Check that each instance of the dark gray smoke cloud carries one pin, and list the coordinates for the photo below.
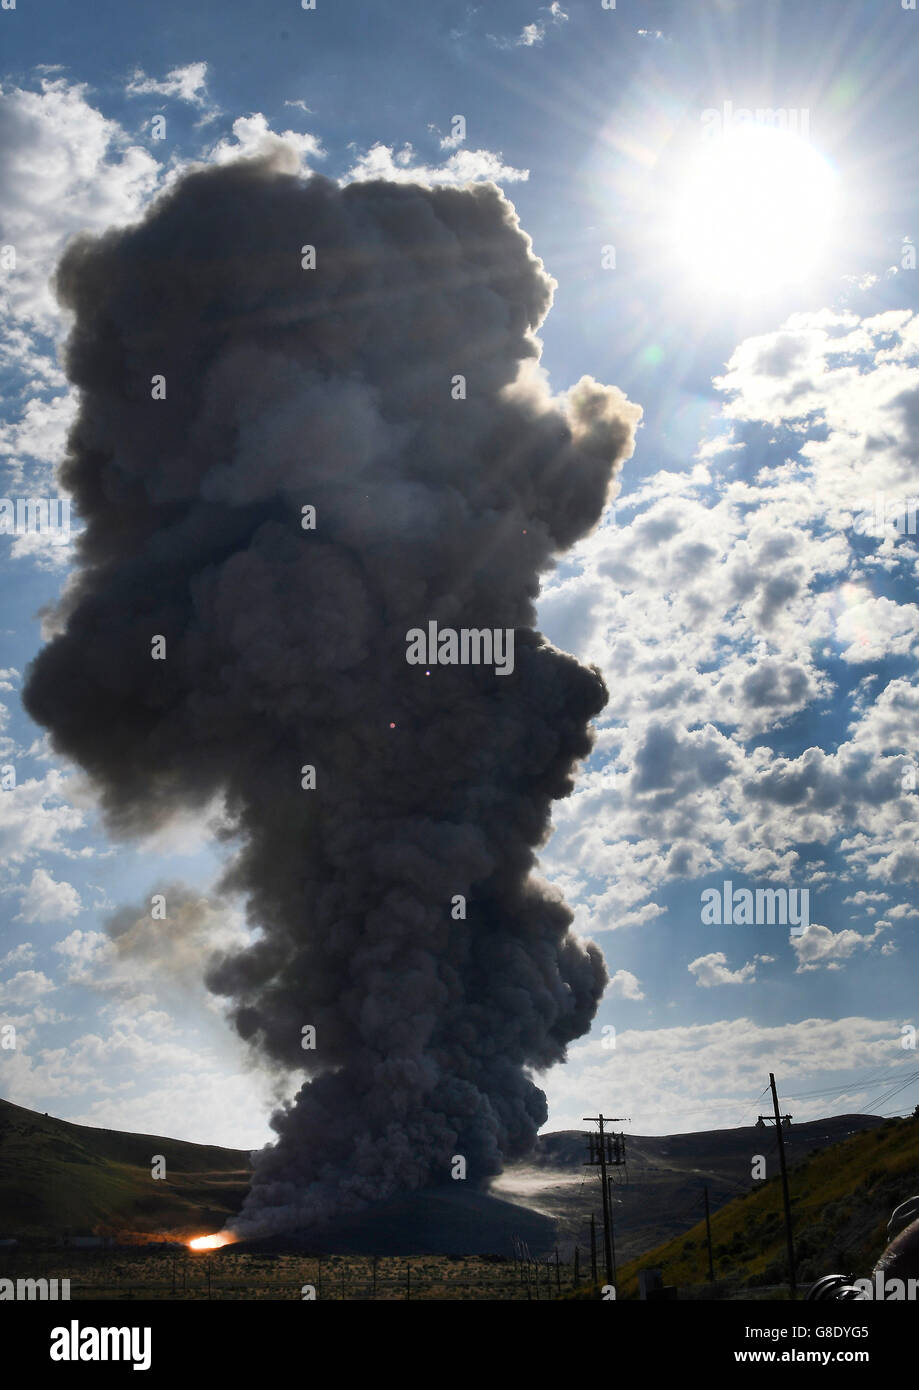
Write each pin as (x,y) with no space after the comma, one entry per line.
(332,387)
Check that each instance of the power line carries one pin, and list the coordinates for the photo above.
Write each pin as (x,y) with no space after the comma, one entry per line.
(884,1098)
(854,1084)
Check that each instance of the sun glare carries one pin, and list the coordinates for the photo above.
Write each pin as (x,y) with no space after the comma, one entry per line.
(754,211)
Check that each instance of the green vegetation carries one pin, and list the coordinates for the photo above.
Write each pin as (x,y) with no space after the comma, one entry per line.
(841,1200)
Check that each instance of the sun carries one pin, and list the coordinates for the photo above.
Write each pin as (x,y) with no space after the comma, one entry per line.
(754,212)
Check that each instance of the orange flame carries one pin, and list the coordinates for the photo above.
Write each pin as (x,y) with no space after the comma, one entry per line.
(211,1242)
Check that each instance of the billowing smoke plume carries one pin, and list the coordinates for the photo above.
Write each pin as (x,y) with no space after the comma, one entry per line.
(336,387)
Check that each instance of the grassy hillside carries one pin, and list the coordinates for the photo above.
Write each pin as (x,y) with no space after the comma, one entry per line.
(841,1200)
(660,1194)
(55,1175)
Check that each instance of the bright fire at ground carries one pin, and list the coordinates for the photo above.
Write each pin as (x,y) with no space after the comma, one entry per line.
(210,1242)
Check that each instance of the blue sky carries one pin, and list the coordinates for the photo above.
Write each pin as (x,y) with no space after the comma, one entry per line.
(761,653)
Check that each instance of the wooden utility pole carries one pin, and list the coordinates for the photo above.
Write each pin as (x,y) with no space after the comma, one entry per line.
(593,1249)
(605,1150)
(612,1225)
(577,1265)
(708,1236)
(558,1276)
(785,1197)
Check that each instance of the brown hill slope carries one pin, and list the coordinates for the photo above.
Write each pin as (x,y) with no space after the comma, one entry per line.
(659,1194)
(54,1175)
